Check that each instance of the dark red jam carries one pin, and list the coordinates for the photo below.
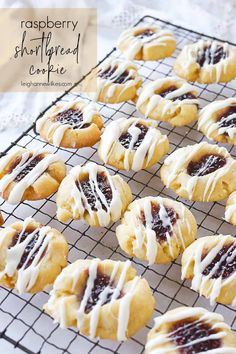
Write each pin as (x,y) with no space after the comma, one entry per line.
(210,56)
(104,187)
(30,245)
(116,79)
(173,88)
(74,117)
(207,164)
(125,138)
(185,332)
(29,166)
(101,282)
(226,121)
(224,262)
(160,226)
(145,33)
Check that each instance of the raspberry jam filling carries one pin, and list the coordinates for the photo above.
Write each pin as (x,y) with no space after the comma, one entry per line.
(224,263)
(185,333)
(207,164)
(228,119)
(30,245)
(145,33)
(90,194)
(74,117)
(101,282)
(29,167)
(118,79)
(161,224)
(173,88)
(210,55)
(125,139)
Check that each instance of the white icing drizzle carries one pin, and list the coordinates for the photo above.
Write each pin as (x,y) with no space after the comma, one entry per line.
(199,280)
(145,234)
(81,204)
(180,158)
(145,150)
(153,99)
(215,321)
(135,43)
(20,187)
(191,51)
(57,129)
(120,67)
(209,126)
(26,276)
(124,305)
(230,208)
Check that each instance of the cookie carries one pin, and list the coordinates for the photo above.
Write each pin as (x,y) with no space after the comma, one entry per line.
(103,299)
(113,81)
(90,193)
(146,43)
(170,100)
(189,330)
(206,62)
(210,263)
(74,124)
(217,121)
(30,175)
(132,144)
(230,210)
(201,172)
(156,229)
(31,255)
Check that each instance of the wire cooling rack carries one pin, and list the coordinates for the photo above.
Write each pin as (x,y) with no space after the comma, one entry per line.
(22,321)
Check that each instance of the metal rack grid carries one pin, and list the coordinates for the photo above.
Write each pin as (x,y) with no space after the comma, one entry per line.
(22,321)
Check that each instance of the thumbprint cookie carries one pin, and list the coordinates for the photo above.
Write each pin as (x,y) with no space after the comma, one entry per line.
(190,330)
(201,172)
(146,43)
(103,299)
(30,175)
(90,193)
(31,256)
(206,62)
(132,144)
(156,229)
(170,100)
(230,210)
(210,263)
(217,121)
(74,124)
(113,81)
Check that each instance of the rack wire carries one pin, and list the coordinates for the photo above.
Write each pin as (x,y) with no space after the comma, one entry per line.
(22,321)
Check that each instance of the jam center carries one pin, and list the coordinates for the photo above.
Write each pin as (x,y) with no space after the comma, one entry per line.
(228,119)
(185,332)
(116,79)
(207,164)
(29,166)
(73,117)
(126,138)
(101,282)
(173,88)
(224,261)
(91,197)
(211,55)
(146,33)
(162,223)
(29,246)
